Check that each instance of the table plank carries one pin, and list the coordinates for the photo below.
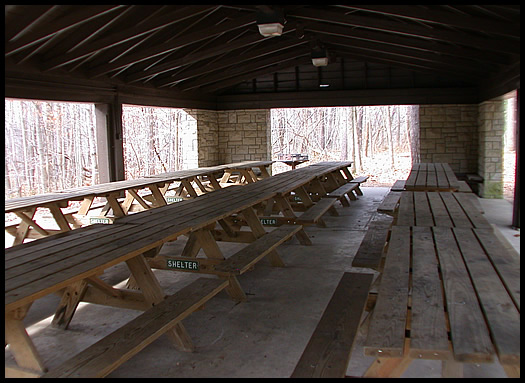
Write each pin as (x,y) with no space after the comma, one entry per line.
(470,337)
(386,334)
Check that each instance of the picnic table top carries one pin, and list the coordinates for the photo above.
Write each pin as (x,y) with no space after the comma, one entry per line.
(112,187)
(38,268)
(450,209)
(432,177)
(455,279)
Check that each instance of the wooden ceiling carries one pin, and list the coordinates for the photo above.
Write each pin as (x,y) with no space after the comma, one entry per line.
(215,52)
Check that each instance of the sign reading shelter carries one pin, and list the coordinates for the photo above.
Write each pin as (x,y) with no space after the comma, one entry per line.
(182,264)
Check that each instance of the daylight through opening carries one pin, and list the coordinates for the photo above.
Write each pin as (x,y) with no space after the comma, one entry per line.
(380,140)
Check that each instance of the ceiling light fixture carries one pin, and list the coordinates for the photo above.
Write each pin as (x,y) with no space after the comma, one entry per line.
(270,21)
(319,57)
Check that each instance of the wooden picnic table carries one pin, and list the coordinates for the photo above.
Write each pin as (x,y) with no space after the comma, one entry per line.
(449,294)
(432,177)
(135,191)
(246,171)
(419,208)
(448,287)
(75,259)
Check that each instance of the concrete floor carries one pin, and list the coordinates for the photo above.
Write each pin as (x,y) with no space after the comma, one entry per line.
(264,336)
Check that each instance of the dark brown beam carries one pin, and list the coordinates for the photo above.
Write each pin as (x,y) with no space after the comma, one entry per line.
(269,48)
(363,97)
(468,40)
(125,35)
(221,85)
(239,70)
(189,38)
(76,17)
(406,41)
(188,59)
(436,16)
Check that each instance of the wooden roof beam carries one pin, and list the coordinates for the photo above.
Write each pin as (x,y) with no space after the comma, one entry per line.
(125,35)
(184,40)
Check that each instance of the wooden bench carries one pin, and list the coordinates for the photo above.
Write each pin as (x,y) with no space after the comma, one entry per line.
(359,180)
(399,185)
(342,191)
(328,352)
(103,357)
(372,246)
(389,203)
(314,213)
(245,258)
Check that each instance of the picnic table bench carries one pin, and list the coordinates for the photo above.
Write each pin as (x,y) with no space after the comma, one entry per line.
(71,263)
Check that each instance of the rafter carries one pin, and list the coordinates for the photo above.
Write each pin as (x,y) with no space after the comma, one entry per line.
(172,45)
(126,35)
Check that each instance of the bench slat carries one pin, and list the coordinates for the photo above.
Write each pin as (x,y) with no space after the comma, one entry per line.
(107,354)
(386,334)
(371,249)
(314,213)
(328,352)
(360,179)
(241,261)
(342,190)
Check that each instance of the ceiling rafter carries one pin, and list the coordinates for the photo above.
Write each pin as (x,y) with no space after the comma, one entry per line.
(404,29)
(266,48)
(126,35)
(49,29)
(239,69)
(189,38)
(436,16)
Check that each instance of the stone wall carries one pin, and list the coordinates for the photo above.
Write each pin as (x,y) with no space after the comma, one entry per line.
(491,122)
(207,136)
(449,133)
(244,135)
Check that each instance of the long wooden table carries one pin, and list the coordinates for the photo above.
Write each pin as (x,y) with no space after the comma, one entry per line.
(74,261)
(71,262)
(450,209)
(145,193)
(449,288)
(450,294)
(432,177)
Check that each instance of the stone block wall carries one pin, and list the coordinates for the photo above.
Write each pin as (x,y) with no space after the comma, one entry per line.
(449,133)
(244,135)
(207,136)
(491,122)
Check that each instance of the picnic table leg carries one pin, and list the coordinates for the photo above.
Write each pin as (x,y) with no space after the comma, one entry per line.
(27,222)
(150,287)
(189,189)
(258,231)
(264,171)
(226,176)
(213,181)
(71,297)
(20,344)
(59,217)
(317,188)
(115,205)
(287,211)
